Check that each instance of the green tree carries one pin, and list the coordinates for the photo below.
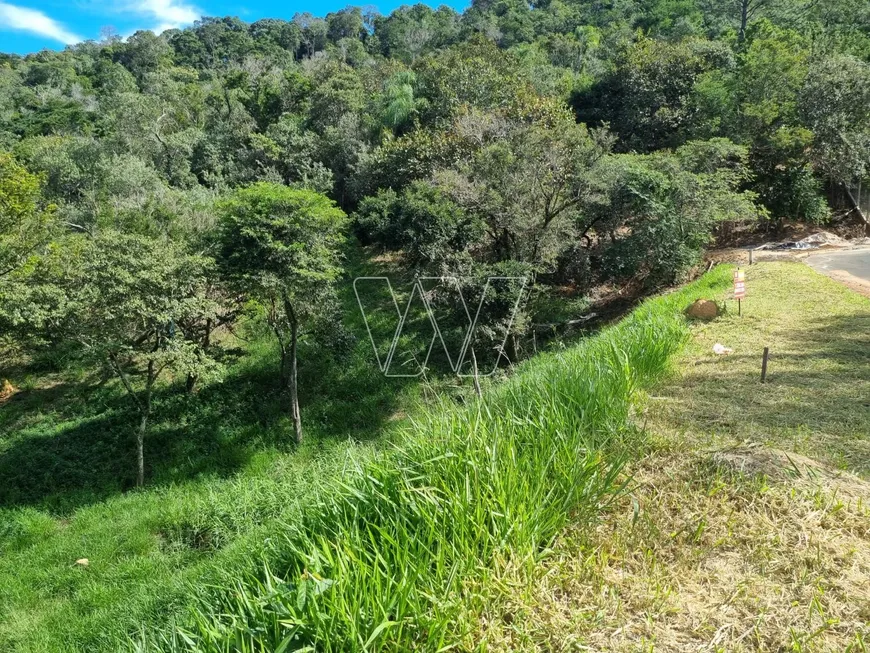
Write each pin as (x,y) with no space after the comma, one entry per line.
(120,299)
(410,31)
(292,152)
(399,103)
(835,105)
(276,33)
(747,11)
(280,246)
(435,233)
(345,24)
(339,93)
(651,96)
(526,184)
(24,216)
(143,53)
(313,32)
(771,71)
(662,208)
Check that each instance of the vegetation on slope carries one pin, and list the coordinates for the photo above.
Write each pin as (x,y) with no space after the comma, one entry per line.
(223,475)
(161,195)
(405,551)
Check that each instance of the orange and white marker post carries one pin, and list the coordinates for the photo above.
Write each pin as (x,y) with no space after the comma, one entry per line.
(739,289)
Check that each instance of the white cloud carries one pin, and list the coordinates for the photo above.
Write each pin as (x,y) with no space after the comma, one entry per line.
(167,13)
(162,27)
(35,22)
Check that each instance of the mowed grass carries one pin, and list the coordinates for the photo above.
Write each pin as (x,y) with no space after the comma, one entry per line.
(727,539)
(817,397)
(406,553)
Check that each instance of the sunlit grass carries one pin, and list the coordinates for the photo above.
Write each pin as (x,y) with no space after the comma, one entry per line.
(222,478)
(399,552)
(725,539)
(396,558)
(817,397)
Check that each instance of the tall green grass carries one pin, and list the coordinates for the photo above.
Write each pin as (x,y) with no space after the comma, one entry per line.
(222,476)
(393,559)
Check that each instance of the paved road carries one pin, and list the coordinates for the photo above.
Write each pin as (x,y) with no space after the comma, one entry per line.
(856,262)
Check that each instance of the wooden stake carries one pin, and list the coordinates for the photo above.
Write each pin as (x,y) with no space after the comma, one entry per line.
(739,307)
(750,257)
(764,365)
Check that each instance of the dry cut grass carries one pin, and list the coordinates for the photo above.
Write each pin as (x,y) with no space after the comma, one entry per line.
(817,398)
(699,557)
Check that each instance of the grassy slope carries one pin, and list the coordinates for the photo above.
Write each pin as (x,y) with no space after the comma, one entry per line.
(404,555)
(221,479)
(703,553)
(488,580)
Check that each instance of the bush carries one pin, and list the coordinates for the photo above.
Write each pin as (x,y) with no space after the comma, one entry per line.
(432,230)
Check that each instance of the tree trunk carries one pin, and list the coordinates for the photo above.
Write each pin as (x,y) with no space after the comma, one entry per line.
(193,379)
(513,352)
(145,410)
(140,450)
(294,388)
(476,379)
(144,406)
(292,384)
(744,19)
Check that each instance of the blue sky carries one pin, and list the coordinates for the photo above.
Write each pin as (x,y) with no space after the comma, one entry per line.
(31,25)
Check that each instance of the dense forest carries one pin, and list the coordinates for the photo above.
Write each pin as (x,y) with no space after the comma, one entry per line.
(157,188)
(180,212)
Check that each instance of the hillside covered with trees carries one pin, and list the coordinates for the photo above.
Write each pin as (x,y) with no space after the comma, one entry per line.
(580,143)
(164,198)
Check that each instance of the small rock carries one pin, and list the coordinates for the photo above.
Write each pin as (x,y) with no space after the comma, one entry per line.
(721,350)
(703,309)
(82,562)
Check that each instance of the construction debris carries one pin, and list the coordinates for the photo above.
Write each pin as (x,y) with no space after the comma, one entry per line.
(814,241)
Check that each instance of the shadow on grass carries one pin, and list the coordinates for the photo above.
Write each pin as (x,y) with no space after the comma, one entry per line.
(67,446)
(816,400)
